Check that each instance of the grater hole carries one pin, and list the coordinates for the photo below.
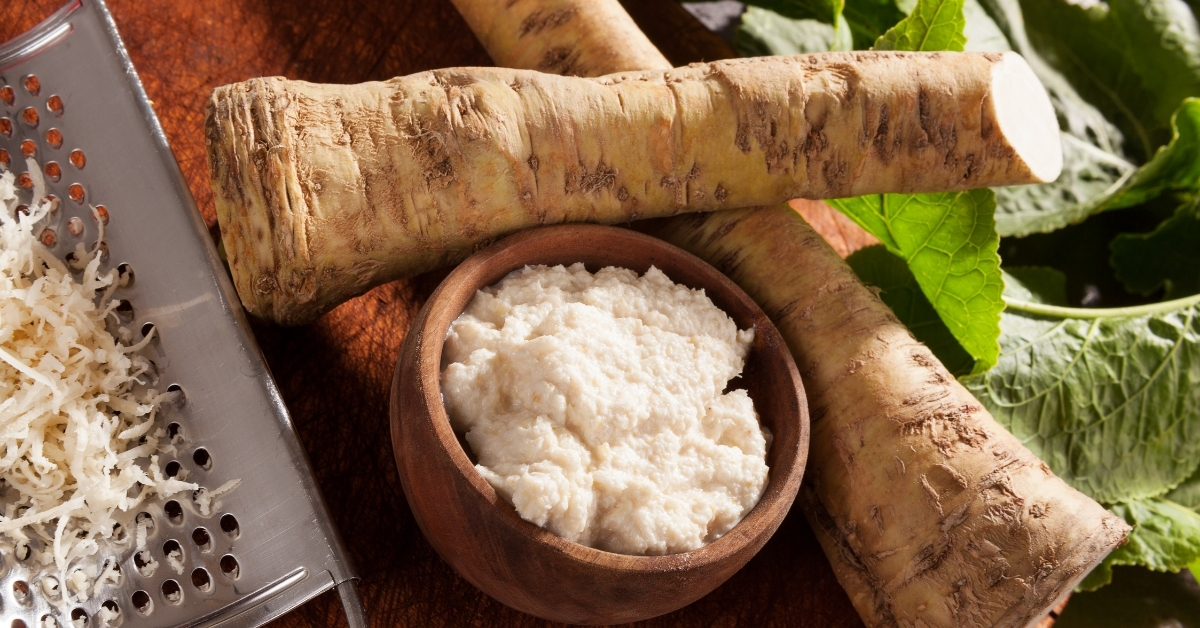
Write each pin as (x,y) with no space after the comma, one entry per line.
(202,539)
(229,525)
(48,237)
(21,592)
(4,158)
(79,618)
(119,534)
(28,148)
(230,567)
(75,226)
(202,459)
(75,192)
(8,95)
(54,138)
(101,251)
(175,431)
(100,213)
(109,613)
(171,592)
(48,621)
(17,623)
(110,572)
(50,587)
(21,551)
(201,580)
(124,310)
(142,602)
(25,181)
(54,171)
(125,280)
(143,525)
(180,396)
(174,553)
(173,468)
(174,512)
(6,127)
(32,84)
(55,104)
(145,563)
(147,328)
(78,159)
(30,116)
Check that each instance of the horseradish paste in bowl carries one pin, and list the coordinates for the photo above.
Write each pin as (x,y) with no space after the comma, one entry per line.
(597,405)
(572,433)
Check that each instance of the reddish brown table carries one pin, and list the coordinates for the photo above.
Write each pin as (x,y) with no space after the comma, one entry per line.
(335,374)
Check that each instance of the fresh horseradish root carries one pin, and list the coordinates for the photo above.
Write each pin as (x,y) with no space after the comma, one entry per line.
(567,37)
(323,191)
(595,404)
(78,437)
(930,512)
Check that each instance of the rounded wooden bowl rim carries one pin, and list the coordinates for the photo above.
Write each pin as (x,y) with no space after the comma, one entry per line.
(772,506)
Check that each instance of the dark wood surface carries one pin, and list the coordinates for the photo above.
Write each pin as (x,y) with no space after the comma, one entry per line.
(528,567)
(335,375)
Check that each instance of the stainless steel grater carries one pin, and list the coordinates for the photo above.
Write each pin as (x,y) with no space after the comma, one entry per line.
(69,96)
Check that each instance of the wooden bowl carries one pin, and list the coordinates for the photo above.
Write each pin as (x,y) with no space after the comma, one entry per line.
(523,565)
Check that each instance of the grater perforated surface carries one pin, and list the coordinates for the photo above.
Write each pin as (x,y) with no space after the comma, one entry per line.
(69,97)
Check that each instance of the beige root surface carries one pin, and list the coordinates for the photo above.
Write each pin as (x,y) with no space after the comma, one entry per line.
(567,37)
(323,191)
(931,513)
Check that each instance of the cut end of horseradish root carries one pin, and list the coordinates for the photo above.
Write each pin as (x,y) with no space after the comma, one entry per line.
(1026,117)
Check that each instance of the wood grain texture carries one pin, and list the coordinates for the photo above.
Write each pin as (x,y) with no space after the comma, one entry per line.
(527,567)
(335,374)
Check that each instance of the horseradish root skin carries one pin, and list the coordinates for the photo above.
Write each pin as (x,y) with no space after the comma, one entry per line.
(323,191)
(1000,550)
(566,37)
(930,512)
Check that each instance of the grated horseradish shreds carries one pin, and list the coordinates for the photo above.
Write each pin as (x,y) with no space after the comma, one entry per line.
(72,427)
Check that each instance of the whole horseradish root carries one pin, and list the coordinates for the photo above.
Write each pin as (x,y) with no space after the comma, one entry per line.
(324,191)
(930,512)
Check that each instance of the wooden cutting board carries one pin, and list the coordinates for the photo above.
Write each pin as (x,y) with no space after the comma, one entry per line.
(335,375)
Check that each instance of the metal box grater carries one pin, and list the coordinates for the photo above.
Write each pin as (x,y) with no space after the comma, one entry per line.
(69,94)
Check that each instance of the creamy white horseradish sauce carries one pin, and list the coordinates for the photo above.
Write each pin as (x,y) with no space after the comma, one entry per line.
(595,405)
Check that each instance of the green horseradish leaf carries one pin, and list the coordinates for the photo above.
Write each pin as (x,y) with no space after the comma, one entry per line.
(1168,257)
(856,24)
(1036,284)
(1090,177)
(1174,167)
(869,19)
(949,242)
(1188,492)
(1094,165)
(877,267)
(1136,60)
(1165,537)
(826,11)
(764,32)
(932,25)
(1094,180)
(1109,398)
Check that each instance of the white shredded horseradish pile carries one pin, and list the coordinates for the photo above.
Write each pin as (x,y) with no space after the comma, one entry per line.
(72,428)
